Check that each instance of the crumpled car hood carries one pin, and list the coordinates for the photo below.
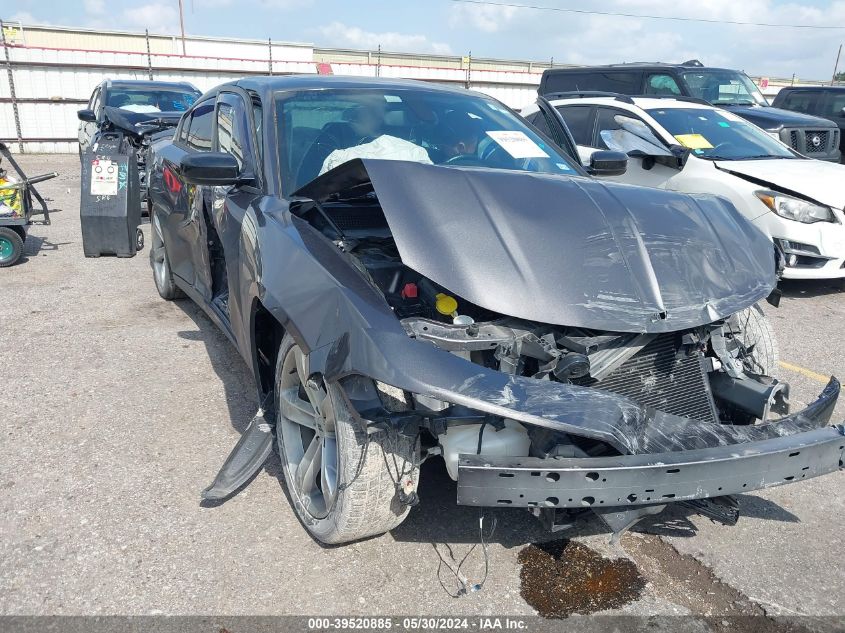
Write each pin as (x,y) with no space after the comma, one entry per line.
(814,179)
(139,123)
(567,250)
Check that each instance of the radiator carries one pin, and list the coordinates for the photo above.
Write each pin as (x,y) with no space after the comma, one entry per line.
(656,377)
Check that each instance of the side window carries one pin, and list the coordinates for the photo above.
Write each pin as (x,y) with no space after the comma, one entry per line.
(200,127)
(801,100)
(579,120)
(661,85)
(605,122)
(258,117)
(538,120)
(96,98)
(626,83)
(834,105)
(229,134)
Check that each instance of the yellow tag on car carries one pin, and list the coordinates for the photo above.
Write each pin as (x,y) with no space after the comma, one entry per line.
(693,141)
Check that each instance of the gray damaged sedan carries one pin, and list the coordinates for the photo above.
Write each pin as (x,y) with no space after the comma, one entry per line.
(411,271)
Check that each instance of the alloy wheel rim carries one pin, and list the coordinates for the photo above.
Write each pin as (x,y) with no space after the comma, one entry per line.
(158,254)
(309,444)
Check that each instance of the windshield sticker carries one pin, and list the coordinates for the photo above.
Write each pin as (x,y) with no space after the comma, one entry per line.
(693,141)
(517,144)
(724,124)
(564,167)
(393,99)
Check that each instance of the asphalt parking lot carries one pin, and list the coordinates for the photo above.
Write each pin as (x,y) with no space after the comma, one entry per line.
(118,408)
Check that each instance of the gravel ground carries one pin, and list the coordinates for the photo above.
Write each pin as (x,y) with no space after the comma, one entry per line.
(118,408)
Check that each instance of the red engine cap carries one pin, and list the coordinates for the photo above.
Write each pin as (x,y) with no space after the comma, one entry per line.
(409,291)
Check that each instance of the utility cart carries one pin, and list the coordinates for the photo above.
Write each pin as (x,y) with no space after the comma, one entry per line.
(16,208)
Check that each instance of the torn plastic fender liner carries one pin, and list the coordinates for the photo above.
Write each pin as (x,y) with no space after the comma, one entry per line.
(642,480)
(422,368)
(246,458)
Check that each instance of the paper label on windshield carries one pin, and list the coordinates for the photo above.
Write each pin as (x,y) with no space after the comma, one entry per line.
(517,144)
(103,177)
(693,141)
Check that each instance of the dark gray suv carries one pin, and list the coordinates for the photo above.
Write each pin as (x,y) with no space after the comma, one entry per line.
(731,89)
(822,101)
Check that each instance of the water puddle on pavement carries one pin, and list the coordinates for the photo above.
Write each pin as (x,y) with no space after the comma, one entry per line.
(562,577)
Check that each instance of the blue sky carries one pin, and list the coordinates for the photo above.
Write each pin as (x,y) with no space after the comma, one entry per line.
(443,26)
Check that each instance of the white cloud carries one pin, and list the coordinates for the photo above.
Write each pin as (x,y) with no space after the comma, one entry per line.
(25,17)
(94,7)
(338,34)
(593,39)
(484,17)
(158,17)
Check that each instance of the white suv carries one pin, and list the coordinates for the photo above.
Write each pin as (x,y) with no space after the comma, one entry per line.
(687,145)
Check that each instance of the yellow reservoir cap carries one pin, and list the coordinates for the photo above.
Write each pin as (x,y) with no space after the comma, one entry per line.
(445,304)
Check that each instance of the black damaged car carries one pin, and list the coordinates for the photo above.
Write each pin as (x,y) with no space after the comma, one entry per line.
(411,270)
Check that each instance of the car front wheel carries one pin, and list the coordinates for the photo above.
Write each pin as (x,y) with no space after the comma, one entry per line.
(343,482)
(162,274)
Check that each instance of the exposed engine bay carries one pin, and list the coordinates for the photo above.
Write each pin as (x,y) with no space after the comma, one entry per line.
(711,373)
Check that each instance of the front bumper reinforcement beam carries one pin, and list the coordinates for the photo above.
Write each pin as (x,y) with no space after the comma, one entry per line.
(649,479)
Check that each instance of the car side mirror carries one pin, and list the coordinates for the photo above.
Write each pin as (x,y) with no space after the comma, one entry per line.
(86,115)
(216,169)
(607,163)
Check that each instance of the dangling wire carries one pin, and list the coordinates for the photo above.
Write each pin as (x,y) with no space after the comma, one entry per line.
(463,583)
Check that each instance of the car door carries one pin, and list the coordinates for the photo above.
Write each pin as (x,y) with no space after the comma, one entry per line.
(187,243)
(235,134)
(88,128)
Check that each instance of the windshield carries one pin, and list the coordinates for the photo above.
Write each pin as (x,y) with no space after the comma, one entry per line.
(723,87)
(718,135)
(147,100)
(321,129)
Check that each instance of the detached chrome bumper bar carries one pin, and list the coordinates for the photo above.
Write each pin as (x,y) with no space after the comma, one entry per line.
(638,480)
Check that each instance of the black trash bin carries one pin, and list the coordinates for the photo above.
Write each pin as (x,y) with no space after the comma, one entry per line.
(110,207)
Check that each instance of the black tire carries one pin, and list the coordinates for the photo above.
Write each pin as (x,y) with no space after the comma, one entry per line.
(11,247)
(366,502)
(162,275)
(754,331)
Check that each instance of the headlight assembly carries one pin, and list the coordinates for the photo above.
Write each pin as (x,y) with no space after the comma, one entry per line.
(795,208)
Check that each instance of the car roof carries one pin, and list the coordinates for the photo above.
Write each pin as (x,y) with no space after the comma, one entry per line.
(637,66)
(151,85)
(644,103)
(824,88)
(273,83)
